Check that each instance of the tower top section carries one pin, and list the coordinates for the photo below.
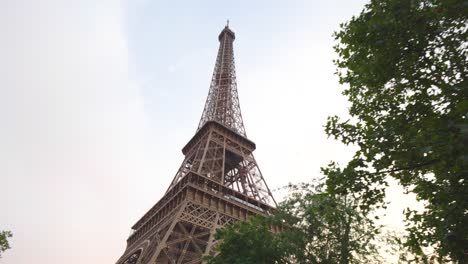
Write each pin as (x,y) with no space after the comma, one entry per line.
(222,103)
(227,32)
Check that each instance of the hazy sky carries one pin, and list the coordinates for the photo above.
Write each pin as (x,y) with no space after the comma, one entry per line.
(97,98)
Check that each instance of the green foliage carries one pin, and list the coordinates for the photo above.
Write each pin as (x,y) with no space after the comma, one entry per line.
(406,64)
(4,245)
(247,243)
(325,228)
(316,227)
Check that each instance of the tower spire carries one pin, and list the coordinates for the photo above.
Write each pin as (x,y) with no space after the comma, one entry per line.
(222,103)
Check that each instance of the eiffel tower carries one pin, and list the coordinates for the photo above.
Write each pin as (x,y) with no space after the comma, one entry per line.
(218,183)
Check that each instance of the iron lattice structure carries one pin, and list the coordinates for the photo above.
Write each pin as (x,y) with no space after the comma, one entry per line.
(222,102)
(218,183)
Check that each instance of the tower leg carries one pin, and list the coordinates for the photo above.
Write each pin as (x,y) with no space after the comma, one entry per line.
(157,245)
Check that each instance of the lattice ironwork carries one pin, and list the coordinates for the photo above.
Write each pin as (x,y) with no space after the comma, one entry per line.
(218,183)
(222,104)
(133,258)
(221,155)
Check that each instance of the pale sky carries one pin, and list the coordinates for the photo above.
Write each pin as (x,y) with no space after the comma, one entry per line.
(97,98)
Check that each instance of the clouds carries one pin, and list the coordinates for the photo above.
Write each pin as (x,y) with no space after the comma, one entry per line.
(81,155)
(73,130)
(98,97)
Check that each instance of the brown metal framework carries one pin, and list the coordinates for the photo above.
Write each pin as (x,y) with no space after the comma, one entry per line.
(218,183)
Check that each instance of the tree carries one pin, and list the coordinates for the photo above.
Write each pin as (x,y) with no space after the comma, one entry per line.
(4,245)
(247,243)
(406,64)
(326,228)
(316,227)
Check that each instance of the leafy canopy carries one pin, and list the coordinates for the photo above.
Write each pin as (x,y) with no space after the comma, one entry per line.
(315,227)
(247,243)
(4,245)
(406,67)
